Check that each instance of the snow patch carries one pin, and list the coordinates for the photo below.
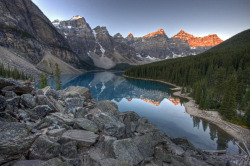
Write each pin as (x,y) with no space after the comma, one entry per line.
(65,35)
(138,55)
(69,27)
(101,49)
(94,33)
(193,48)
(151,58)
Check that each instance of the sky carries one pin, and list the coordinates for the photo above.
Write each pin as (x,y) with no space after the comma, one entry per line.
(140,17)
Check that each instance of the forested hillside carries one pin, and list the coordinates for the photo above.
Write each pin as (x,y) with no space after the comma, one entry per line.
(217,79)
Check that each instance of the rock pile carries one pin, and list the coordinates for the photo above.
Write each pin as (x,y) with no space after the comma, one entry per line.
(68,127)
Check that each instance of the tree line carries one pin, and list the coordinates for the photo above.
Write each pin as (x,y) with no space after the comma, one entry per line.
(217,79)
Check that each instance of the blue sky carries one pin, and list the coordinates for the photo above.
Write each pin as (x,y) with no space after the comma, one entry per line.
(140,17)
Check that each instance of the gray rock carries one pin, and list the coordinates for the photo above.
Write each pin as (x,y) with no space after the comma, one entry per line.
(5,117)
(44,148)
(48,91)
(176,150)
(56,132)
(29,163)
(147,142)
(14,101)
(86,124)
(27,101)
(130,119)
(64,118)
(110,125)
(69,149)
(125,149)
(82,91)
(106,144)
(10,94)
(23,115)
(14,137)
(81,112)
(3,103)
(145,127)
(42,110)
(8,82)
(115,162)
(18,89)
(72,104)
(83,138)
(72,94)
(56,162)
(50,101)
(162,154)
(108,107)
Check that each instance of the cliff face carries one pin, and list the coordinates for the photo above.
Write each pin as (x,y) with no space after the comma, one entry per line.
(95,45)
(206,41)
(27,31)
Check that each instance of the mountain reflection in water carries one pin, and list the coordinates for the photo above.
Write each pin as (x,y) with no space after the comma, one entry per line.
(154,101)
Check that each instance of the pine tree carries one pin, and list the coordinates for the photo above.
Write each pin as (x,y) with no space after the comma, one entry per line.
(58,77)
(43,81)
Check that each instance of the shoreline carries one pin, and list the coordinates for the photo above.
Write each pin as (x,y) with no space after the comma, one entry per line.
(236,131)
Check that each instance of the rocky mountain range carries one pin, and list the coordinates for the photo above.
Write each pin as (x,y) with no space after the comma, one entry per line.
(28,36)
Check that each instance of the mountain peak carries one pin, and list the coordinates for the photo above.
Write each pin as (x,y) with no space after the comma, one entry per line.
(159,32)
(207,41)
(76,17)
(130,35)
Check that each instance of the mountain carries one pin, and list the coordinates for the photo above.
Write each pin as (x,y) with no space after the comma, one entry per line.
(95,45)
(28,34)
(218,78)
(206,41)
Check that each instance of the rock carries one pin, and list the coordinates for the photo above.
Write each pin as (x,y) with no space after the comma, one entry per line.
(48,91)
(5,117)
(176,150)
(81,112)
(14,101)
(23,115)
(147,142)
(8,82)
(64,118)
(130,119)
(27,101)
(145,127)
(42,110)
(72,94)
(162,154)
(110,125)
(86,124)
(10,94)
(44,148)
(56,132)
(72,103)
(82,137)
(69,149)
(3,103)
(29,163)
(15,140)
(56,162)
(50,101)
(82,91)
(20,90)
(105,144)
(108,107)
(125,149)
(115,162)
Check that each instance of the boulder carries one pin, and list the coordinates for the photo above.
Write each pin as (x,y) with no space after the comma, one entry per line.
(162,154)
(10,94)
(5,117)
(82,91)
(44,148)
(27,101)
(29,163)
(72,94)
(147,142)
(110,125)
(48,91)
(18,89)
(56,162)
(86,124)
(108,107)
(56,132)
(115,162)
(81,112)
(50,101)
(82,137)
(69,149)
(63,118)
(3,103)
(125,149)
(72,104)
(42,110)
(23,114)
(8,82)
(145,127)
(15,141)
(130,119)
(13,101)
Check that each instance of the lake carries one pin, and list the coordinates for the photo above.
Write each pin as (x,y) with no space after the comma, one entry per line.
(154,101)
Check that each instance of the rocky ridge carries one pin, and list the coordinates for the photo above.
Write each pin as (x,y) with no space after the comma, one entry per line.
(68,127)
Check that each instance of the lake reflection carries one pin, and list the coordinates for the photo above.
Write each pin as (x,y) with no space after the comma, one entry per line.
(154,101)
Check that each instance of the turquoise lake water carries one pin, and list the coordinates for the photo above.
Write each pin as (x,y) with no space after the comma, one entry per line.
(154,101)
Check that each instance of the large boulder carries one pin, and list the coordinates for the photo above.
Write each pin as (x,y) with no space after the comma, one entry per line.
(115,162)
(145,127)
(27,101)
(125,149)
(148,141)
(69,149)
(3,103)
(56,162)
(50,101)
(10,94)
(86,124)
(29,163)
(108,107)
(15,141)
(8,82)
(18,89)
(44,148)
(73,103)
(110,125)
(83,138)
(130,119)
(82,91)
(48,91)
(42,110)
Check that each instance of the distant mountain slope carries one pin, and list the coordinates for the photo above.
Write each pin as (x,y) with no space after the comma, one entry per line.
(219,78)
(27,31)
